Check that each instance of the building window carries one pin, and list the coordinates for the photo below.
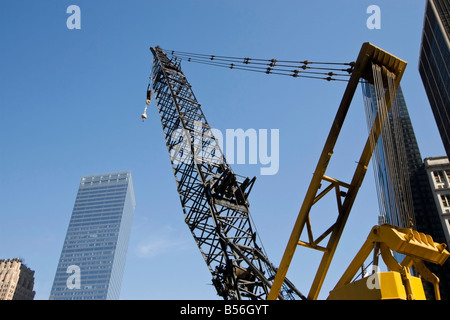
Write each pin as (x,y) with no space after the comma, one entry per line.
(445,198)
(439,179)
(438,176)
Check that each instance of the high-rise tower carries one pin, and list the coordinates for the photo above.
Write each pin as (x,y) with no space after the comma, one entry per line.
(404,193)
(434,65)
(434,70)
(94,252)
(396,156)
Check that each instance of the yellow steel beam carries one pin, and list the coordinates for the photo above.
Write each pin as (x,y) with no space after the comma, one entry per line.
(417,248)
(368,53)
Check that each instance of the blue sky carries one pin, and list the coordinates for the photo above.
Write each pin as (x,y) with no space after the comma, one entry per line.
(70,105)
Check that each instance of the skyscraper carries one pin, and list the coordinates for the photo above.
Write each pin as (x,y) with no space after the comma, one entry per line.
(404,193)
(16,280)
(434,65)
(395,157)
(434,70)
(94,251)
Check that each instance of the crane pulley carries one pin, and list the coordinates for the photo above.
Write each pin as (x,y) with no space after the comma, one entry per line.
(147,102)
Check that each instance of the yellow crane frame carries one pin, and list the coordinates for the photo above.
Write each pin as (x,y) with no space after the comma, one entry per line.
(362,69)
(398,283)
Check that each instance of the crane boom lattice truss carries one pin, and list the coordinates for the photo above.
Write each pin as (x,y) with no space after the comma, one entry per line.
(214,200)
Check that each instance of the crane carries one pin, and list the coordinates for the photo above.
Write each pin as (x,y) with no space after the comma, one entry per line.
(215,199)
(383,70)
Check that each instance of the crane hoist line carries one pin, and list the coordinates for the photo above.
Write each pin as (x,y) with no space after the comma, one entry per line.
(330,71)
(214,199)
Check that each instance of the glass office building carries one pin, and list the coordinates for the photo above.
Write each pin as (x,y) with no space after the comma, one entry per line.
(423,214)
(396,156)
(434,65)
(94,252)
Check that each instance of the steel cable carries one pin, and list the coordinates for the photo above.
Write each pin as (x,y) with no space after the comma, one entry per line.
(296,69)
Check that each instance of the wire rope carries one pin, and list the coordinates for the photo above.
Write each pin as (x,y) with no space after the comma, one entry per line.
(296,69)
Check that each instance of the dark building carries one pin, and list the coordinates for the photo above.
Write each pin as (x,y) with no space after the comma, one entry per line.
(434,64)
(396,156)
(398,165)
(435,72)
(428,221)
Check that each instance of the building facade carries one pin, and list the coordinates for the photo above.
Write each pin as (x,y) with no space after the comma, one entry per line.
(434,65)
(392,189)
(16,280)
(438,170)
(93,257)
(434,70)
(395,157)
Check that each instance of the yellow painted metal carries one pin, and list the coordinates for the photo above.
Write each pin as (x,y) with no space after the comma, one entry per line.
(417,247)
(368,54)
(417,288)
(412,243)
(379,286)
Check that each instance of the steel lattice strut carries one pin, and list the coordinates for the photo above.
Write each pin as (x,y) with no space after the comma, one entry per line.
(213,199)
